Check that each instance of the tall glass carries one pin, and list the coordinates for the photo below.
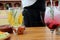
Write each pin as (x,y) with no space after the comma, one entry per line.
(52,18)
(15,19)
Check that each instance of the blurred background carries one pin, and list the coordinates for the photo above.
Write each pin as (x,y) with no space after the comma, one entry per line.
(6,4)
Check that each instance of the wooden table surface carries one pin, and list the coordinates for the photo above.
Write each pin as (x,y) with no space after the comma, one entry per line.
(36,33)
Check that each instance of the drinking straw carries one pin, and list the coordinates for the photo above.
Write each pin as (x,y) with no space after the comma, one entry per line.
(51,10)
(51,2)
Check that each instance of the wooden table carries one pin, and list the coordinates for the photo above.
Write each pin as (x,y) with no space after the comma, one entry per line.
(37,33)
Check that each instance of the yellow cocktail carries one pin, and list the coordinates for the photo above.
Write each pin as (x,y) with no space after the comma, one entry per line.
(15,19)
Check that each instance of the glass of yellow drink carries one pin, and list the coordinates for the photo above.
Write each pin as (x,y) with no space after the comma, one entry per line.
(15,19)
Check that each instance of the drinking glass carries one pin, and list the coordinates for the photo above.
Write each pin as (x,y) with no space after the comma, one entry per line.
(52,18)
(15,19)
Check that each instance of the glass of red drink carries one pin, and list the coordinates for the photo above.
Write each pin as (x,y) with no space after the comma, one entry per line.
(52,18)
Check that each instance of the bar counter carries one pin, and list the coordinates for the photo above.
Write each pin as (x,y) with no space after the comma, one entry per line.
(36,33)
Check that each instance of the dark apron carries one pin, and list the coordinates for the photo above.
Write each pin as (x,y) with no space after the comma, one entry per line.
(32,14)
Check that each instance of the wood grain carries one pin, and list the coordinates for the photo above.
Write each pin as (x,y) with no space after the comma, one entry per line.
(37,33)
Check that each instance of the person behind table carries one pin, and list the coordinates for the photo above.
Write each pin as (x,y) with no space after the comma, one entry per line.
(33,12)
